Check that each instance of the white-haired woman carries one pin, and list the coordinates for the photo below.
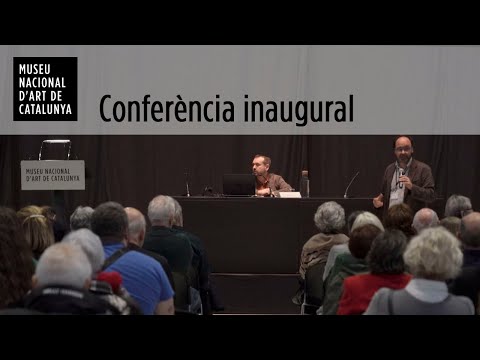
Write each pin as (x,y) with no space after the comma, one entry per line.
(432,257)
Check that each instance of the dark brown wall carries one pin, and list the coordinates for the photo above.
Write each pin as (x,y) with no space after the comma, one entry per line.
(133,169)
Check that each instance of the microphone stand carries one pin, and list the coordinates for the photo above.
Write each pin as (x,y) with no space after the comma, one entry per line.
(186,184)
(345,196)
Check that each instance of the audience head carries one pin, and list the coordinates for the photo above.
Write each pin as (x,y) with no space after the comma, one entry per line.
(38,233)
(63,264)
(452,224)
(367,218)
(178,217)
(81,218)
(351,219)
(16,263)
(470,230)
(91,246)
(434,254)
(458,206)
(386,253)
(10,220)
(161,211)
(425,218)
(49,213)
(137,226)
(26,211)
(330,217)
(361,240)
(400,216)
(110,220)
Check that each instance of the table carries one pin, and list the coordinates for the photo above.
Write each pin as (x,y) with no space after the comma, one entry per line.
(260,235)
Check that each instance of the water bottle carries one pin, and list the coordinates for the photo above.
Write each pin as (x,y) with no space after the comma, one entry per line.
(305,185)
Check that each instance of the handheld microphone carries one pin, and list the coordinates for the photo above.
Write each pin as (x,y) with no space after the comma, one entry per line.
(187,186)
(345,196)
(400,184)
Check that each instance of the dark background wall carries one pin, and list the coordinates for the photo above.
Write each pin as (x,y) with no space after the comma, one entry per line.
(133,169)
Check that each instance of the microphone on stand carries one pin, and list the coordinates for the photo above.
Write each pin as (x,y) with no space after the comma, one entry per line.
(345,196)
(186,183)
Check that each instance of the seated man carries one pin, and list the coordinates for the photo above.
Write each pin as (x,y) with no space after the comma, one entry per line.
(268,184)
(61,282)
(424,218)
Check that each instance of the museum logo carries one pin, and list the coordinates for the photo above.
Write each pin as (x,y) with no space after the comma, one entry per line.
(44,89)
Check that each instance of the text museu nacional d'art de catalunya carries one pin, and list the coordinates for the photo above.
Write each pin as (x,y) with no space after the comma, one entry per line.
(31,91)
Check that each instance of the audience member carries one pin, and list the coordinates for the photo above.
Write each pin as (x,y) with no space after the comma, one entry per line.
(387,269)
(432,257)
(164,240)
(400,217)
(81,218)
(143,277)
(329,220)
(16,265)
(362,218)
(452,224)
(60,283)
(116,296)
(425,218)
(208,292)
(458,206)
(349,264)
(37,229)
(137,228)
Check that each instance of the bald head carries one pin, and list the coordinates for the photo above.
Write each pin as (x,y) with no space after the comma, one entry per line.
(470,230)
(136,226)
(425,218)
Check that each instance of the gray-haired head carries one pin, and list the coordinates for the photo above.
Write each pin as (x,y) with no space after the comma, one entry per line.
(81,218)
(110,219)
(367,218)
(161,211)
(386,253)
(91,246)
(329,217)
(63,264)
(425,218)
(434,254)
(470,230)
(137,226)
(178,216)
(452,224)
(456,205)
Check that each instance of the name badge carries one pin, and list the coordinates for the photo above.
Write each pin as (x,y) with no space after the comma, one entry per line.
(394,195)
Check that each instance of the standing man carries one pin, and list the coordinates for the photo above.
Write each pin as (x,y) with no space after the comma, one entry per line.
(406,180)
(268,184)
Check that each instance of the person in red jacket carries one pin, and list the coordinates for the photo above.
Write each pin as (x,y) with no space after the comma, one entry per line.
(387,269)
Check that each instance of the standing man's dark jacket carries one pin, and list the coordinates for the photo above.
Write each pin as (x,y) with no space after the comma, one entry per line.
(423,189)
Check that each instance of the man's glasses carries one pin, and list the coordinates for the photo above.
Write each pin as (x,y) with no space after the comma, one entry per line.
(403,148)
